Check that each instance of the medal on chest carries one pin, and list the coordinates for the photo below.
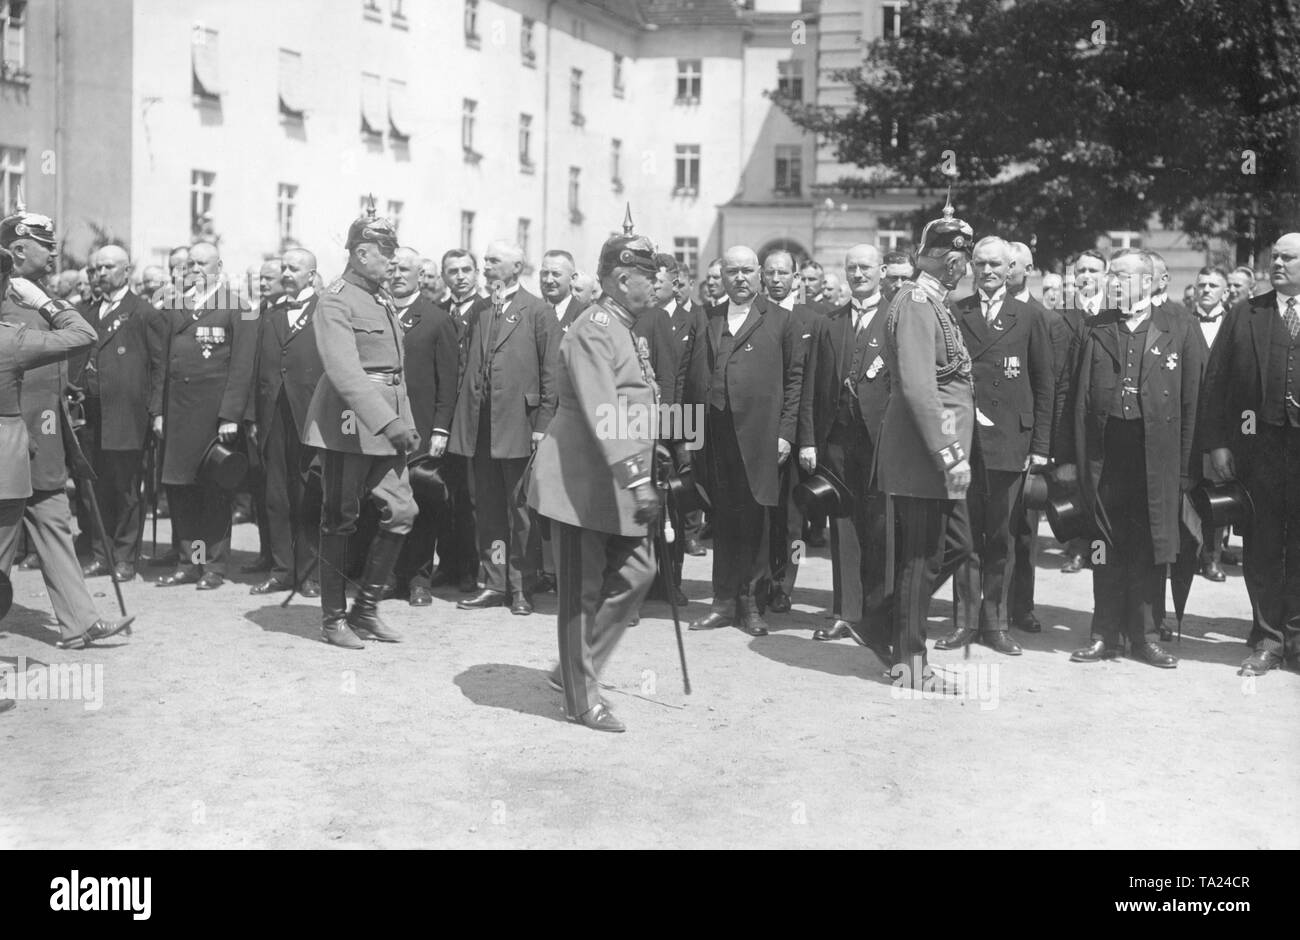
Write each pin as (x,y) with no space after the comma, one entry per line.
(1011,367)
(209,338)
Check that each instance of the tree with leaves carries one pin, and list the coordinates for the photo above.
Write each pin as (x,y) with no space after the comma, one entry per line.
(1058,120)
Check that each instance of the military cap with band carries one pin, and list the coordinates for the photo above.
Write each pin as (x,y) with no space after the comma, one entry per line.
(627,251)
(946,234)
(369,228)
(22,224)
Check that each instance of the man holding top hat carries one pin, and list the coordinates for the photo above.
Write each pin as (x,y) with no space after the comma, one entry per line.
(923,460)
(360,419)
(211,345)
(594,482)
(36,335)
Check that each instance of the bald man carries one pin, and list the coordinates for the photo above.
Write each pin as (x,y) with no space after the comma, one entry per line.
(586,289)
(286,370)
(120,375)
(1250,427)
(507,399)
(743,368)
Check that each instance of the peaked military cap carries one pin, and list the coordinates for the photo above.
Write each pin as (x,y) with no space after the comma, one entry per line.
(39,228)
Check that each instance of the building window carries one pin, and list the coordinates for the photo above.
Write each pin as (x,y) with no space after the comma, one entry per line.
(399,118)
(370,10)
(575,176)
(1120,240)
(372,107)
(619,85)
(616,164)
(472,38)
(467,230)
(397,11)
(207,75)
(688,81)
(686,251)
(688,170)
(286,210)
(789,79)
(13,168)
(395,207)
(14,40)
(467,109)
(292,105)
(526,49)
(202,184)
(789,170)
(575,97)
(526,143)
(521,235)
(891,11)
(893,239)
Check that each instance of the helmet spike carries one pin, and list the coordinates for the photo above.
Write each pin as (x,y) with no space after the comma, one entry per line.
(20,204)
(947,207)
(627,220)
(370,207)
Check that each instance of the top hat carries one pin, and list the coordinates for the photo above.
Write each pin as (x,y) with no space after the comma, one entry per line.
(1221,504)
(6,594)
(823,492)
(686,493)
(1036,494)
(221,466)
(1067,516)
(427,482)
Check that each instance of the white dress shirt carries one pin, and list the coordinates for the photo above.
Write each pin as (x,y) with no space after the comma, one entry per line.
(788,303)
(990,307)
(109,304)
(562,307)
(1210,327)
(736,316)
(864,311)
(1138,314)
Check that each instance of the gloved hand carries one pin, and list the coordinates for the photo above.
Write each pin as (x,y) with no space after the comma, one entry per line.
(682,456)
(405,439)
(27,293)
(647,504)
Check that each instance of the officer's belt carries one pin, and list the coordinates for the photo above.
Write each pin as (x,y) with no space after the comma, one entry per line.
(385,378)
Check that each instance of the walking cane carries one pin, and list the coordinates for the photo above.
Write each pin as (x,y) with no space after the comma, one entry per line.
(661,549)
(84,473)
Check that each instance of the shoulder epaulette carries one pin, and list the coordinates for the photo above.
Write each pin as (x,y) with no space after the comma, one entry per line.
(600,317)
(336,286)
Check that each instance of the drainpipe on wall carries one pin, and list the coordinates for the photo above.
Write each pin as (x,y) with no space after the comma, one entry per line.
(546,134)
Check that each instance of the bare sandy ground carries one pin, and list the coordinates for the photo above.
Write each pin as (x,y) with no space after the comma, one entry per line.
(226,723)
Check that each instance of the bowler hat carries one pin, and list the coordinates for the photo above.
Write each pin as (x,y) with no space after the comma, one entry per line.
(1036,496)
(6,594)
(1221,504)
(823,492)
(427,483)
(222,466)
(1067,516)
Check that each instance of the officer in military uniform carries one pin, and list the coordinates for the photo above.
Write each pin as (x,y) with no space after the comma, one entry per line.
(36,335)
(925,437)
(595,485)
(360,419)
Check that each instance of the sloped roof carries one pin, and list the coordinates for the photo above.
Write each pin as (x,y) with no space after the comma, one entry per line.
(691,12)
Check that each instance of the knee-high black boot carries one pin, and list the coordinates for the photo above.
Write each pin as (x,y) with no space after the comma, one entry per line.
(333,593)
(364,616)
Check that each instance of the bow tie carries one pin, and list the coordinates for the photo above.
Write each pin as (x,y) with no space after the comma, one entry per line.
(1204,319)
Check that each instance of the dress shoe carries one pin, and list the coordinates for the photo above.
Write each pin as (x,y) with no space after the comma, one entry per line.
(1229,557)
(31,562)
(124,572)
(1002,642)
(270,586)
(1165,634)
(957,639)
(839,630)
(210,581)
(258,565)
(1074,564)
(103,629)
(468,584)
(483,601)
(1028,623)
(752,622)
(1259,662)
(1211,571)
(693,547)
(338,633)
(95,569)
(420,596)
(872,640)
(554,680)
(310,588)
(600,718)
(1094,652)
(1153,654)
(545,584)
(779,601)
(710,621)
(180,576)
(523,606)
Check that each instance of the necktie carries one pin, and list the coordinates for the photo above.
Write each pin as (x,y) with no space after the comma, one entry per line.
(989,310)
(1292,319)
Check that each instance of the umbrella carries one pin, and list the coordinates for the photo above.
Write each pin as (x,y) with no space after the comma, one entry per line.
(1183,571)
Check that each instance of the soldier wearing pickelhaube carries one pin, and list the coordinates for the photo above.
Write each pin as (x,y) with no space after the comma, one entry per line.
(592,478)
(925,438)
(360,419)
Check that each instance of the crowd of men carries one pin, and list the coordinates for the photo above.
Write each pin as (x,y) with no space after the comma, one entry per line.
(420,424)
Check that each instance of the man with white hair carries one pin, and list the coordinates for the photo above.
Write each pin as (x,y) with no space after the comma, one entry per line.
(507,399)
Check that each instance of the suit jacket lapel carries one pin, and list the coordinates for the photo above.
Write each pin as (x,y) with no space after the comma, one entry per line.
(1107,338)
(1262,318)
(973,320)
(509,314)
(844,338)
(714,325)
(751,324)
(1003,324)
(1158,328)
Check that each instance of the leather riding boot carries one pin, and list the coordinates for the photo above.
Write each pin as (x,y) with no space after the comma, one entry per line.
(364,616)
(333,593)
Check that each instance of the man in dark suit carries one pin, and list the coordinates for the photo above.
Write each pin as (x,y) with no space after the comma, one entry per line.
(457,545)
(845,391)
(1135,413)
(211,343)
(1211,296)
(1251,431)
(506,400)
(120,374)
(1011,364)
(744,366)
(923,459)
(432,362)
(287,369)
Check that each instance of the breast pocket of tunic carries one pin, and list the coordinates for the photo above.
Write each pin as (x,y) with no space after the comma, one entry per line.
(368,325)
